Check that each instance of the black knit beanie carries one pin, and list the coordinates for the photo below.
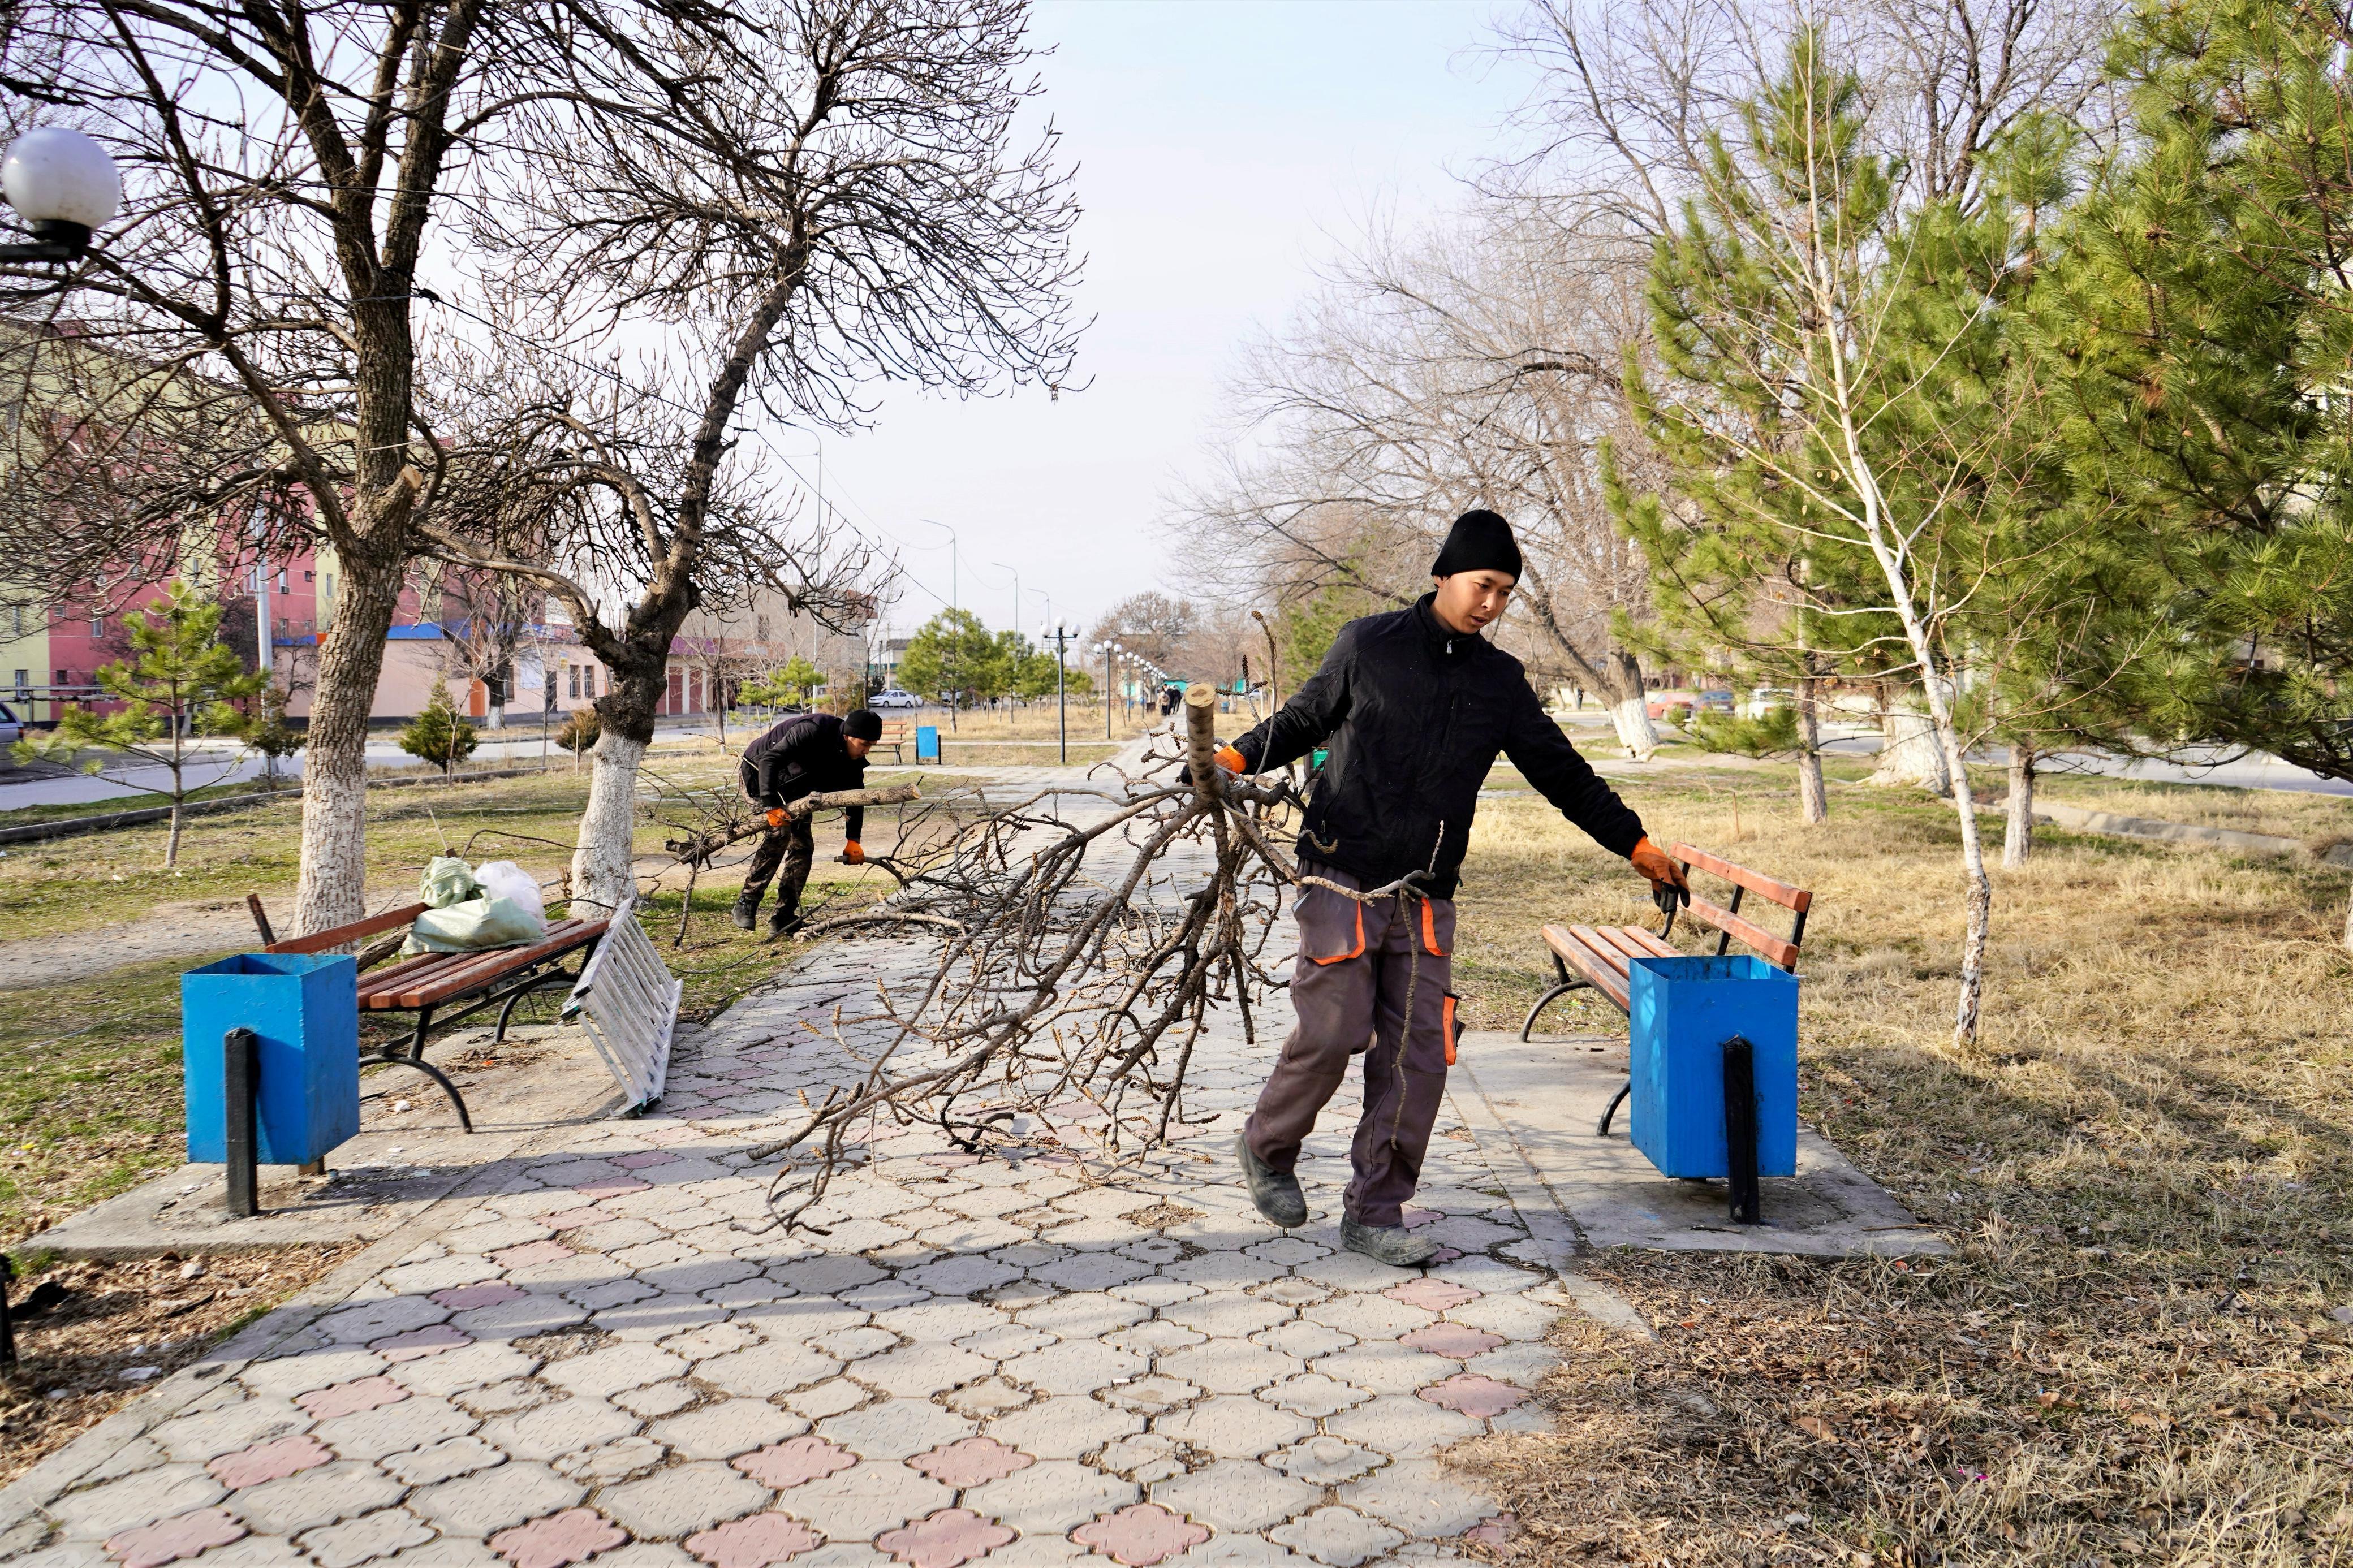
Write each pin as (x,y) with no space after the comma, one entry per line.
(1479,542)
(862,724)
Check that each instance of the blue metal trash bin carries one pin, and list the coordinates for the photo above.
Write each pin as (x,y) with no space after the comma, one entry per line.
(927,742)
(1682,1011)
(306,1010)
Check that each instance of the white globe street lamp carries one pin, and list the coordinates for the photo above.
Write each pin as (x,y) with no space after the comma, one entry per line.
(64,185)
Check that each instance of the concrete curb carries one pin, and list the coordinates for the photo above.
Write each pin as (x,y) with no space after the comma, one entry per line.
(2084,820)
(64,827)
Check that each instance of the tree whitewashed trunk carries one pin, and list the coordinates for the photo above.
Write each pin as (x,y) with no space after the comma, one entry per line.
(330,891)
(2018,827)
(1913,753)
(1813,796)
(604,874)
(1635,731)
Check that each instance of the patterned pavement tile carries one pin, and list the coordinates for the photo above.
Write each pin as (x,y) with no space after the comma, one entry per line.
(859,1504)
(171,1540)
(1050,1495)
(349,1398)
(1458,1341)
(761,1540)
(970,1462)
(1337,1537)
(1234,1427)
(1326,1461)
(365,1539)
(1141,1534)
(895,1428)
(490,1500)
(1419,1497)
(1431,1294)
(1235,1495)
(951,1537)
(557,1540)
(295,1503)
(682,1499)
(1474,1395)
(269,1461)
(96,1513)
(790,1464)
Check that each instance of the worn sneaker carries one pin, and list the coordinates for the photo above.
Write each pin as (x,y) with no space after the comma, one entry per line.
(747,912)
(1392,1244)
(1276,1192)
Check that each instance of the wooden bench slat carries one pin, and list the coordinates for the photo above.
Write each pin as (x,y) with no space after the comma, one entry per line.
(1589,960)
(378,990)
(1796,899)
(335,936)
(1628,943)
(498,962)
(459,971)
(1777,950)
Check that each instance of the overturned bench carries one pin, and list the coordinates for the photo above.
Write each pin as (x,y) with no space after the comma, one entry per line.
(1601,954)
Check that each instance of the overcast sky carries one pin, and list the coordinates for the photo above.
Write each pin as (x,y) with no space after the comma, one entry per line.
(1223,148)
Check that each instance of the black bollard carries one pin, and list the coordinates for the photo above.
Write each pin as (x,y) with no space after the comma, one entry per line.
(241,1076)
(1740,1131)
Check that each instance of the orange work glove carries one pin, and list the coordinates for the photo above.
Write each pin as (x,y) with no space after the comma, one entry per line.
(852,853)
(1232,760)
(1665,872)
(776,817)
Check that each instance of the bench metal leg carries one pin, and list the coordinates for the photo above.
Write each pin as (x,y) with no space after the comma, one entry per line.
(1610,1110)
(515,998)
(1567,985)
(438,1076)
(417,1041)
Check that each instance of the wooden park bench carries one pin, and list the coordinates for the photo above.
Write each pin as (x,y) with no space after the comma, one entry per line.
(471,981)
(898,734)
(1599,954)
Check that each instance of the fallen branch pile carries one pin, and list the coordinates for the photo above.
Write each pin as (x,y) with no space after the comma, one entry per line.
(1090,931)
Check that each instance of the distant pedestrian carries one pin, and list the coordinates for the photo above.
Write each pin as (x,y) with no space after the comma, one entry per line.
(805,754)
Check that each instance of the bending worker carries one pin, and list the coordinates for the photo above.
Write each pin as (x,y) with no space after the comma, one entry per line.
(805,754)
(1415,705)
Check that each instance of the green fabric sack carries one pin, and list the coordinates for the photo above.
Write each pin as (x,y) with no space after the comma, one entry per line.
(447,880)
(470,924)
(460,916)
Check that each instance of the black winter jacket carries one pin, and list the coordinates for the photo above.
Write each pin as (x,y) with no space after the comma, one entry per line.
(800,756)
(1414,714)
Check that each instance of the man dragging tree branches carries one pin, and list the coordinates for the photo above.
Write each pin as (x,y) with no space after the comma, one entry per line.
(805,754)
(1414,705)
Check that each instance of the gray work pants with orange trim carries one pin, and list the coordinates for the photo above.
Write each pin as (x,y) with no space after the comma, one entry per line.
(1356,963)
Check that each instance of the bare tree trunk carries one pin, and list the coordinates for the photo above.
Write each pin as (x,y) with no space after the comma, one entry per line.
(1913,753)
(1813,798)
(1629,709)
(603,871)
(2018,828)
(335,773)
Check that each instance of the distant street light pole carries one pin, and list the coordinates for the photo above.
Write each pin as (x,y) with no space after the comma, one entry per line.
(1015,624)
(1060,637)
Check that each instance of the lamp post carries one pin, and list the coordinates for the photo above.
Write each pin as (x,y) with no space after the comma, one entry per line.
(64,185)
(1111,688)
(1060,637)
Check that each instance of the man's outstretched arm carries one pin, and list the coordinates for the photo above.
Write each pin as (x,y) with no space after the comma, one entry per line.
(1305,722)
(1562,775)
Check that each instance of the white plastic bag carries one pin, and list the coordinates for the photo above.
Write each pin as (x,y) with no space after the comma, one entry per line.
(505,879)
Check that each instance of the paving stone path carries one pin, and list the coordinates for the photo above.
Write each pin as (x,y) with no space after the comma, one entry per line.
(598,1354)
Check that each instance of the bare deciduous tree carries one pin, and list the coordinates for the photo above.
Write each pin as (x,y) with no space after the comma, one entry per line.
(816,196)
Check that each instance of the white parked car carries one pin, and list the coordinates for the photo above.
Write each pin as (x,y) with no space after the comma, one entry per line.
(1762,700)
(894,701)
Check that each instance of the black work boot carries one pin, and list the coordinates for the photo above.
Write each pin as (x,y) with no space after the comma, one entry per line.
(783,922)
(747,912)
(1392,1244)
(1276,1192)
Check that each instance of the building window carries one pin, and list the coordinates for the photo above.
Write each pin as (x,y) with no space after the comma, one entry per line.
(281,581)
(98,625)
(309,576)
(65,677)
(576,680)
(24,683)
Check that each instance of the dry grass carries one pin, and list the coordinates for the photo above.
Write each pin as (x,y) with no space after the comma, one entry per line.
(98,1320)
(2144,1166)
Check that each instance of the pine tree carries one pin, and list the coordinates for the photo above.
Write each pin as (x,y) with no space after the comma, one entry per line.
(438,734)
(180,679)
(266,730)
